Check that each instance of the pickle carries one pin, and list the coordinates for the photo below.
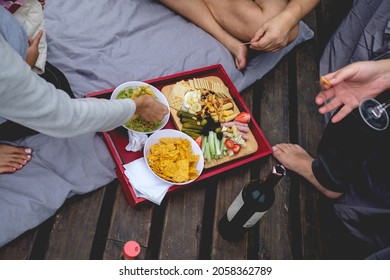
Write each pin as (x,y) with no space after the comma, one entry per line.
(184,114)
(191,126)
(192,130)
(189,120)
(191,134)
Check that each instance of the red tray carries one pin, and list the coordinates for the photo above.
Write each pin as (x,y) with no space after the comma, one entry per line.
(117,139)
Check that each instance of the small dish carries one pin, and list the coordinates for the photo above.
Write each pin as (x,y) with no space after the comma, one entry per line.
(172,133)
(159,96)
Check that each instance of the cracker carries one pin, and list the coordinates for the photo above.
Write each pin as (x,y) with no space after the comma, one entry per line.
(176,96)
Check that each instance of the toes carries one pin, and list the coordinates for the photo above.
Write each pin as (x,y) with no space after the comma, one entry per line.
(16,159)
(7,169)
(13,158)
(9,149)
(283,146)
(277,153)
(16,165)
(239,65)
(288,148)
(298,147)
(240,56)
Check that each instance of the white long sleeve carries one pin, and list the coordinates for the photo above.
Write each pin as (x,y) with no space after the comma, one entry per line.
(27,99)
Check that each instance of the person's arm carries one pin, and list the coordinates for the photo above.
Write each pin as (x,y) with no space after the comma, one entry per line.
(274,33)
(27,99)
(351,84)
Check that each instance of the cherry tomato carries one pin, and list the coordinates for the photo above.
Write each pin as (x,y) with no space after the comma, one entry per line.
(243,117)
(229,143)
(198,141)
(236,148)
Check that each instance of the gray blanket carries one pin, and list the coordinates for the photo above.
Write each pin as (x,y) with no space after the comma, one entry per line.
(98,45)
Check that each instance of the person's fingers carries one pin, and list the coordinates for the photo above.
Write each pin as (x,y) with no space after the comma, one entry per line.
(37,38)
(165,110)
(324,95)
(345,110)
(154,111)
(332,105)
(263,44)
(342,74)
(324,83)
(274,48)
(258,35)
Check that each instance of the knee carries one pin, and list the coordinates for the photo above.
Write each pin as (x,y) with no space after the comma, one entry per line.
(272,8)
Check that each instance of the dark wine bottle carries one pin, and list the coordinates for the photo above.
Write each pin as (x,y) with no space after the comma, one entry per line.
(250,205)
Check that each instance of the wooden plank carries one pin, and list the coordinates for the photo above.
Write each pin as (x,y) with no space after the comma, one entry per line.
(314,207)
(128,223)
(182,227)
(230,184)
(275,240)
(74,227)
(309,131)
(20,248)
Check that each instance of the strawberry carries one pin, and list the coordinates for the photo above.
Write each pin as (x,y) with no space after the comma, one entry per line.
(229,143)
(243,117)
(236,148)
(198,141)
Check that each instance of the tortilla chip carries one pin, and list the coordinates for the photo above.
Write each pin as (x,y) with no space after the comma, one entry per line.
(173,160)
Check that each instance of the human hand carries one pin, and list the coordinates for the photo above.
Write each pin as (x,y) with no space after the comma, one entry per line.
(351,84)
(150,109)
(32,50)
(273,35)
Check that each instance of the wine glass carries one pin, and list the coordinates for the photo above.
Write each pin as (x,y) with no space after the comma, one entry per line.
(374,113)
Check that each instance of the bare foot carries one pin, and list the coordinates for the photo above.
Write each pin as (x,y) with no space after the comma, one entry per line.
(296,159)
(293,34)
(13,158)
(293,157)
(240,53)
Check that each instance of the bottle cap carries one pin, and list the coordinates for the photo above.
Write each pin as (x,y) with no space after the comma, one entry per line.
(131,250)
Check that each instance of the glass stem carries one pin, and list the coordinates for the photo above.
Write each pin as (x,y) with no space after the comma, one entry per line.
(385,105)
(378,110)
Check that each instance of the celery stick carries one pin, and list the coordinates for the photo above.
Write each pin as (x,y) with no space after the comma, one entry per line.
(223,147)
(204,143)
(211,144)
(207,152)
(218,151)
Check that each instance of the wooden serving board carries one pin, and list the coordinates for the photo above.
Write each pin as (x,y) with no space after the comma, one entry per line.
(251,143)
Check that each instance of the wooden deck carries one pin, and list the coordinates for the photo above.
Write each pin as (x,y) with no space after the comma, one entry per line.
(298,226)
